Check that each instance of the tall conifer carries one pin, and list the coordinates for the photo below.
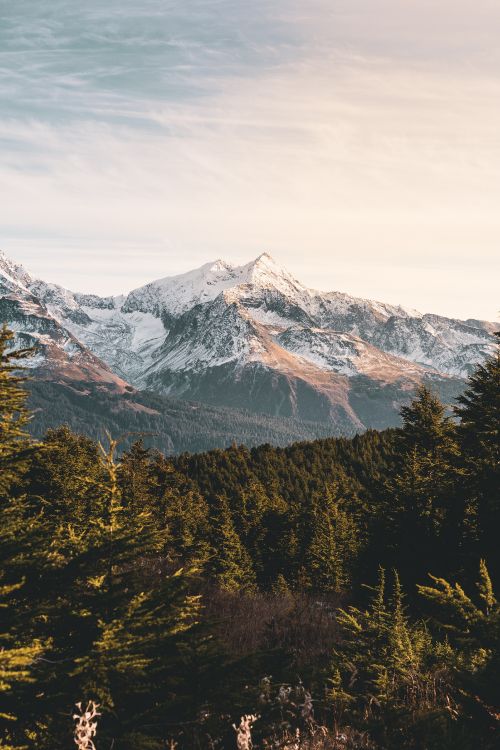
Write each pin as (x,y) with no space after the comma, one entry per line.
(479,434)
(14,415)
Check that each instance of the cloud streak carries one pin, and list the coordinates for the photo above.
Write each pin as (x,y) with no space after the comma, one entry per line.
(361,157)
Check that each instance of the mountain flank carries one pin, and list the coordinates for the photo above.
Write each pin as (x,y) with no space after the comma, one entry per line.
(250,338)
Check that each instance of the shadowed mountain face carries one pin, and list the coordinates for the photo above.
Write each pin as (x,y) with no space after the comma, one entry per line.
(248,337)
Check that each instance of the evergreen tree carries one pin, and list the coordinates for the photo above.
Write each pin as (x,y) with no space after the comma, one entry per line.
(473,625)
(14,415)
(20,651)
(231,564)
(334,545)
(134,475)
(479,412)
(180,510)
(387,671)
(63,475)
(115,626)
(423,511)
(18,543)
(479,434)
(139,617)
(426,427)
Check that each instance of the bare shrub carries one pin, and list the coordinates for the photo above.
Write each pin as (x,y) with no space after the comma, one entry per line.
(296,622)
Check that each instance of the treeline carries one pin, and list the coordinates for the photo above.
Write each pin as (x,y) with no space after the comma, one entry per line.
(289,584)
(169,425)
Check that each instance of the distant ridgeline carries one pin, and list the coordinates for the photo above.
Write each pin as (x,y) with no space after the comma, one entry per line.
(169,425)
(280,361)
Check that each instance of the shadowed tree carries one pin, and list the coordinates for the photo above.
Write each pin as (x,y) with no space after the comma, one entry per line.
(14,415)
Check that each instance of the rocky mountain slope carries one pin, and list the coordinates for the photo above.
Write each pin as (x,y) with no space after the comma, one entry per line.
(250,337)
(71,385)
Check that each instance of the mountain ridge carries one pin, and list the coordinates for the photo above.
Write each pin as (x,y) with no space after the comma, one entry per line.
(253,336)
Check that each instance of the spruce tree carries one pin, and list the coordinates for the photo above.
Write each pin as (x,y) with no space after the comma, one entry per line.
(231,564)
(386,669)
(479,435)
(14,415)
(179,509)
(334,544)
(140,616)
(114,624)
(63,475)
(134,474)
(426,427)
(21,539)
(472,624)
(21,535)
(423,512)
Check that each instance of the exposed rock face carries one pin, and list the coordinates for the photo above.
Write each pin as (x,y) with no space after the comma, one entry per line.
(250,337)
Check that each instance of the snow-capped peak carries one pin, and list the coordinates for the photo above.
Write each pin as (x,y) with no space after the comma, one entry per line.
(129,332)
(266,262)
(218,266)
(14,273)
(265,271)
(176,294)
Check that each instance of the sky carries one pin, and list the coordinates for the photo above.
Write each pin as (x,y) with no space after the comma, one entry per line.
(357,141)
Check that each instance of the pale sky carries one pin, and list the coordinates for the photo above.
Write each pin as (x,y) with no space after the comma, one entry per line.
(358,141)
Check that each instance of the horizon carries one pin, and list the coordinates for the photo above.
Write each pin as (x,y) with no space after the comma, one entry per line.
(232,266)
(358,142)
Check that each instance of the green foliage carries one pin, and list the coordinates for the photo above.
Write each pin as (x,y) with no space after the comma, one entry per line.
(178,508)
(479,435)
(64,475)
(424,511)
(426,428)
(121,621)
(14,416)
(164,587)
(89,606)
(19,652)
(473,625)
(479,412)
(231,565)
(387,670)
(334,545)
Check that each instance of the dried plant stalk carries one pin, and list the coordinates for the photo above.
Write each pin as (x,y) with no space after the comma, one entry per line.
(244,732)
(86,726)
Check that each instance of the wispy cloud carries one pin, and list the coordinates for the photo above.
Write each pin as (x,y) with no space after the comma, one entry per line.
(358,141)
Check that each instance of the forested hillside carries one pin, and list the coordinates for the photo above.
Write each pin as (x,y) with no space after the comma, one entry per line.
(170,425)
(335,594)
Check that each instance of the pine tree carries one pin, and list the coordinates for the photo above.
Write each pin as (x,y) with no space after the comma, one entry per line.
(115,626)
(231,565)
(479,412)
(20,537)
(473,624)
(423,508)
(479,434)
(20,651)
(258,512)
(385,669)
(180,510)
(134,475)
(140,618)
(63,474)
(425,425)
(14,415)
(334,545)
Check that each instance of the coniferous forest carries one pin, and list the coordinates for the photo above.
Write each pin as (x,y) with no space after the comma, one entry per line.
(340,593)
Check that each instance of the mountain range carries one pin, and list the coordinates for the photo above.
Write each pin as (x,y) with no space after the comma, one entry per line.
(249,345)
